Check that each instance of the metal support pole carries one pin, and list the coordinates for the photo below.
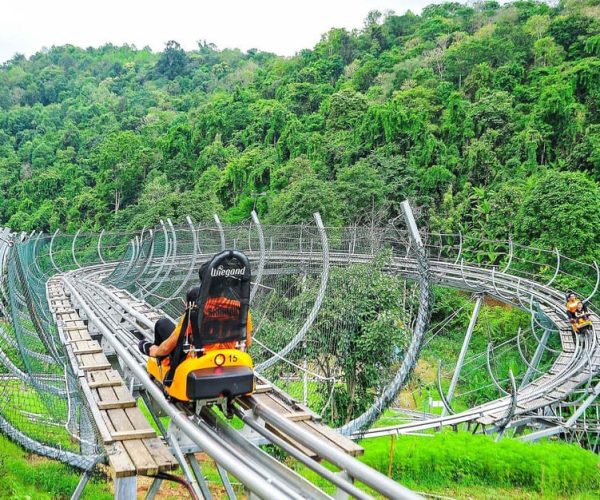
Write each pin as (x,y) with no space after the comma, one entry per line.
(535,361)
(73,248)
(221,231)
(305,378)
(81,485)
(199,476)
(226,482)
(125,488)
(463,351)
(99,249)
(534,436)
(341,494)
(154,487)
(411,223)
(261,259)
(184,466)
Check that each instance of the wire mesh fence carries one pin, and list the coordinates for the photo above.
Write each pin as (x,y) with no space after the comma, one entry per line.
(339,314)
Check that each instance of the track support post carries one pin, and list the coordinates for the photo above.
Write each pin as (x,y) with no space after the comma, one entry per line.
(463,351)
(535,361)
(341,494)
(125,488)
(81,485)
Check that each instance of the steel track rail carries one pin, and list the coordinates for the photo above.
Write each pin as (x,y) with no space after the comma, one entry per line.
(508,288)
(357,470)
(547,389)
(256,477)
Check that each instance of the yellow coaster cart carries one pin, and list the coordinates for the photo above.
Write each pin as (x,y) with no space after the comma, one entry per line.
(209,363)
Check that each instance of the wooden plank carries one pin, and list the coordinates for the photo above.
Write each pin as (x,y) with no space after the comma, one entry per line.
(73,361)
(299,416)
(104,383)
(104,378)
(90,362)
(108,397)
(123,393)
(110,404)
(273,404)
(133,434)
(100,358)
(88,368)
(101,423)
(347,445)
(107,422)
(75,336)
(88,350)
(119,461)
(161,454)
(104,394)
(141,458)
(123,427)
(138,421)
(87,347)
(119,421)
(75,324)
(72,319)
(294,443)
(262,388)
(97,379)
(71,328)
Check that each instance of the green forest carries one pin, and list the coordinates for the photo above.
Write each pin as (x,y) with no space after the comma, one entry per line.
(486,116)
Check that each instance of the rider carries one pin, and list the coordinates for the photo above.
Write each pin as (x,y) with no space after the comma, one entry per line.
(166,333)
(582,318)
(572,301)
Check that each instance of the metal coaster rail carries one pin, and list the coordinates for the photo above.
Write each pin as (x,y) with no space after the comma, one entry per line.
(505,287)
(87,293)
(580,365)
(158,264)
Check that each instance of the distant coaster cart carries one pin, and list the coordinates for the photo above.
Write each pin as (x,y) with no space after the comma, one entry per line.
(578,314)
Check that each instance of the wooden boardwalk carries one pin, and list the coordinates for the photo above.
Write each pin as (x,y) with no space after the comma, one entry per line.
(132,445)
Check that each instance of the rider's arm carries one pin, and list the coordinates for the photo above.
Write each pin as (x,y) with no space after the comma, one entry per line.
(249,330)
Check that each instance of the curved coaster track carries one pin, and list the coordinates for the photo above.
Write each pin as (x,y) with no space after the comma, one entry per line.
(74,306)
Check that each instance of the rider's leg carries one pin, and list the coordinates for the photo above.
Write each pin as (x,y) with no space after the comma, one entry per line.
(163,328)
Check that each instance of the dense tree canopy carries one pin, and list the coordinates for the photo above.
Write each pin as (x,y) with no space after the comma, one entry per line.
(464,109)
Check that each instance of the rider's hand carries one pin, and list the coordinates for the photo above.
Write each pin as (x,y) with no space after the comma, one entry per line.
(144,346)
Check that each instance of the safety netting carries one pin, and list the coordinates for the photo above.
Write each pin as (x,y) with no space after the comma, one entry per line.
(340,315)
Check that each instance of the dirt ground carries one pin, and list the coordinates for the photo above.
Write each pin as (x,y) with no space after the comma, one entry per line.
(170,490)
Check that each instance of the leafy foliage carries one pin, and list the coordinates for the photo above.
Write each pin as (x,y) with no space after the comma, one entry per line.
(464,109)
(358,339)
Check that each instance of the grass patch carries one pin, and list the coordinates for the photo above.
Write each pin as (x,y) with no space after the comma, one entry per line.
(23,475)
(449,459)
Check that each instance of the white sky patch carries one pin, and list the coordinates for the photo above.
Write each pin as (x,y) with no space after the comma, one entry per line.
(280,26)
